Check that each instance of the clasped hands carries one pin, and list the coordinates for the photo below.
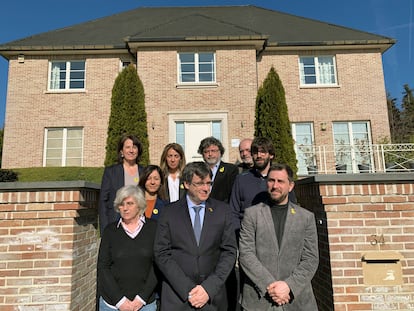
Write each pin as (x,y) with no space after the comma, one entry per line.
(133,305)
(279,292)
(198,297)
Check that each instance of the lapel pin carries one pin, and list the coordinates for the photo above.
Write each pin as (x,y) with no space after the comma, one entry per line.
(292,211)
(210,209)
(221,169)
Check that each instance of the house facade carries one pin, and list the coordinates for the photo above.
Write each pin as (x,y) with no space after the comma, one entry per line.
(201,68)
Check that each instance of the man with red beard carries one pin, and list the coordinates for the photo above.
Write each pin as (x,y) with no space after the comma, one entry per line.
(250,187)
(278,249)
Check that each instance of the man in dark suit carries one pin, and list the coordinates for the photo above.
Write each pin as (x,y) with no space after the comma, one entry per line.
(195,246)
(224,173)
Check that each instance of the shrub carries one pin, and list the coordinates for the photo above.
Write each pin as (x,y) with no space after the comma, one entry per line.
(8,176)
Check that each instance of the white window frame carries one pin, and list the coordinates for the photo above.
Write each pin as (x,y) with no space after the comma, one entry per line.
(201,116)
(196,69)
(318,74)
(64,155)
(67,77)
(304,148)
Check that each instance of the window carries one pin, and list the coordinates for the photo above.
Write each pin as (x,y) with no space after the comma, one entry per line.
(304,148)
(352,145)
(196,67)
(317,70)
(63,147)
(67,75)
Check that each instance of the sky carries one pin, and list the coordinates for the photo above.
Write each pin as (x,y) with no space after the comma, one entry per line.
(389,18)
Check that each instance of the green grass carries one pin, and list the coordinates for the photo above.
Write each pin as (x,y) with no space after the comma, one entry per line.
(91,174)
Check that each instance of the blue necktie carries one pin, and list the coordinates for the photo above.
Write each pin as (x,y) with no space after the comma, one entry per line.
(197,223)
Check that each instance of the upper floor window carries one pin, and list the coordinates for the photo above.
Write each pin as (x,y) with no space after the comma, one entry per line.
(63,146)
(67,75)
(317,70)
(197,67)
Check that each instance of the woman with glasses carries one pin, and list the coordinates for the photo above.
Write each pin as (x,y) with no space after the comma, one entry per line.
(126,277)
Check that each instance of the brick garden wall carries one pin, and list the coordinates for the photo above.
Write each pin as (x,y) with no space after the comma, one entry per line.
(49,241)
(48,246)
(350,210)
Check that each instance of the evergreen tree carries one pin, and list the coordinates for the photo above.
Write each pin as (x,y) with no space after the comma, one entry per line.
(128,115)
(394,119)
(272,119)
(407,115)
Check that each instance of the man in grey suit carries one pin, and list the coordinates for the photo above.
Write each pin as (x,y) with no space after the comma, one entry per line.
(278,249)
(195,246)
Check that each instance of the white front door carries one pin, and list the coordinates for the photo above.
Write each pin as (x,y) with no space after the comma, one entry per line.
(194,133)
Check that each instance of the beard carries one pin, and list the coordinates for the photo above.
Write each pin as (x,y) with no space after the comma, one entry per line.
(262,166)
(278,198)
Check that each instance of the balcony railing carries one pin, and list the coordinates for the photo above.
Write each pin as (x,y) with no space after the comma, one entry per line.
(351,159)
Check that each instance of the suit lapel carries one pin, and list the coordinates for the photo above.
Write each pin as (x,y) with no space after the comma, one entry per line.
(208,217)
(289,223)
(188,226)
(269,225)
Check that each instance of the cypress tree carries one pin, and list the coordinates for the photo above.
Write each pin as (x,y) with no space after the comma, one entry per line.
(272,119)
(128,115)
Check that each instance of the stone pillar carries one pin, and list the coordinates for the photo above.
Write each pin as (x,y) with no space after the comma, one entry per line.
(48,246)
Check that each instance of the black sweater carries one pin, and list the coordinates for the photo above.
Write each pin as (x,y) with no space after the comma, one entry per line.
(126,265)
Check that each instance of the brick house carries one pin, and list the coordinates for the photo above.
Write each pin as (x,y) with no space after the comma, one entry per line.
(201,68)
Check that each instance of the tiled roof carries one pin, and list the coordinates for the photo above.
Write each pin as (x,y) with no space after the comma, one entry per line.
(186,23)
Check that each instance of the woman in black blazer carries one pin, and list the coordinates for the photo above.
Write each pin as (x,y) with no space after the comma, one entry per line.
(126,172)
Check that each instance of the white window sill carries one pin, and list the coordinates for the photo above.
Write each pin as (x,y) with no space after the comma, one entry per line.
(196,85)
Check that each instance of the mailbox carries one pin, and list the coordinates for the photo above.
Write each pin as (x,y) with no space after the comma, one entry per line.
(382,268)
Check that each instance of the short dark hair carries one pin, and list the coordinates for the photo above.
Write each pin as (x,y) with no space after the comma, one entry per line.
(282,167)
(208,141)
(136,142)
(262,143)
(198,168)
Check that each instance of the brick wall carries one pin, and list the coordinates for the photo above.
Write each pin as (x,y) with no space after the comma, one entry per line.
(350,210)
(48,246)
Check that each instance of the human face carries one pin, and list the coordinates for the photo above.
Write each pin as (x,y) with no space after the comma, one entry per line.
(211,155)
(199,189)
(153,182)
(279,186)
(129,210)
(262,159)
(245,153)
(129,151)
(173,159)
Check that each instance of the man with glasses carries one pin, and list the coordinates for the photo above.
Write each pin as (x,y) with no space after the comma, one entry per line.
(195,246)
(250,187)
(224,173)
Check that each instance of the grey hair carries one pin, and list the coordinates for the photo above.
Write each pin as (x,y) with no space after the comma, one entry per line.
(131,191)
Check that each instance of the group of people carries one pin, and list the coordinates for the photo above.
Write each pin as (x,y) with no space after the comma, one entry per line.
(188,236)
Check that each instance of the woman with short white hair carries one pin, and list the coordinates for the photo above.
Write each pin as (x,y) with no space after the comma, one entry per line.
(126,277)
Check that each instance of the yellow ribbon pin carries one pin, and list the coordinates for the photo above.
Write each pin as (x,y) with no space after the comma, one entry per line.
(292,211)
(155,211)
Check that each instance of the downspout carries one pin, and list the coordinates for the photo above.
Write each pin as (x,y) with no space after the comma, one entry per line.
(258,57)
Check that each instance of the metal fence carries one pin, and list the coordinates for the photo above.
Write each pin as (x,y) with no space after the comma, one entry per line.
(354,158)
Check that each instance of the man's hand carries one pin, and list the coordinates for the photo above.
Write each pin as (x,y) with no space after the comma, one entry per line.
(279,292)
(137,304)
(198,297)
(127,306)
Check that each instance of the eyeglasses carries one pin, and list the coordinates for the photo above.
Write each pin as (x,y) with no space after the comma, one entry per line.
(201,184)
